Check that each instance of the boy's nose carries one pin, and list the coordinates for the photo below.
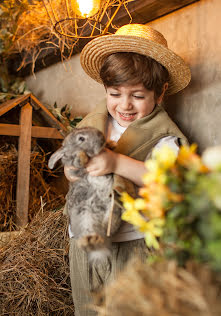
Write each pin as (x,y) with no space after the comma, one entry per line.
(126,104)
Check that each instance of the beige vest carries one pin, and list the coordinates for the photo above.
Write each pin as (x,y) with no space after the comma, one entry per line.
(138,139)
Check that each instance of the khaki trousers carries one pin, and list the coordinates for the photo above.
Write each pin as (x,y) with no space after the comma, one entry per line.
(86,278)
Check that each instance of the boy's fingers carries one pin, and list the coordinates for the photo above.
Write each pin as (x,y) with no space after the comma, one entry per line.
(91,169)
(95,173)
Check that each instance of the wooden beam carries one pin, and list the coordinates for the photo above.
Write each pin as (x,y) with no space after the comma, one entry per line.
(7,106)
(48,115)
(46,132)
(23,178)
(10,129)
(36,131)
(144,11)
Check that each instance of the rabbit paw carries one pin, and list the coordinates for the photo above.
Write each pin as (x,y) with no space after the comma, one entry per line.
(90,242)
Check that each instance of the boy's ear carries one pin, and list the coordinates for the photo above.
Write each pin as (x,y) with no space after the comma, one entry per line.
(165,87)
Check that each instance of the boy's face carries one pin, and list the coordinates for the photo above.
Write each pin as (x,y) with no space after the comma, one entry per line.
(127,103)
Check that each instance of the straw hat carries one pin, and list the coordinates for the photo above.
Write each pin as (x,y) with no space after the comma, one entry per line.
(137,38)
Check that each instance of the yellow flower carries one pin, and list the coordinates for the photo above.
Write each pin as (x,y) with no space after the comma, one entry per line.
(154,226)
(165,157)
(136,209)
(140,204)
(186,154)
(155,196)
(188,158)
(127,200)
(132,204)
(153,207)
(153,229)
(151,240)
(152,165)
(154,172)
(133,217)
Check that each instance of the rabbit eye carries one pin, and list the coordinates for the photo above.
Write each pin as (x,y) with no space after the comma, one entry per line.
(81,138)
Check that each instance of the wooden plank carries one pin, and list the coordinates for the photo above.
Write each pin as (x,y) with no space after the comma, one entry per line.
(8,105)
(49,116)
(23,178)
(10,129)
(36,131)
(144,11)
(46,132)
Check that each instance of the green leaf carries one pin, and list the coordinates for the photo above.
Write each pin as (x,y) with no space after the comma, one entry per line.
(3,96)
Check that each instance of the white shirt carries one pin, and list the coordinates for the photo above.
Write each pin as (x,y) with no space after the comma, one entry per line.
(114,131)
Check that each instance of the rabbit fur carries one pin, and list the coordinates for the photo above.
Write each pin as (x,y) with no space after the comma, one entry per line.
(89,199)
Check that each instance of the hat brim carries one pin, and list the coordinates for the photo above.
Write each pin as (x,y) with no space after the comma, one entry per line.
(95,52)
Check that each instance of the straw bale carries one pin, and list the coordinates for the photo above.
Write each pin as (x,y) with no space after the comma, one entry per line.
(162,289)
(34,273)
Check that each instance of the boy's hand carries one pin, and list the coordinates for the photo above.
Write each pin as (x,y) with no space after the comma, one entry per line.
(103,163)
(110,162)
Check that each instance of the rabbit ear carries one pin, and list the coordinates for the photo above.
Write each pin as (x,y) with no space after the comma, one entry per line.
(55,157)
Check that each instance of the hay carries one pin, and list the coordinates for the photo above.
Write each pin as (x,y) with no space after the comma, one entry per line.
(34,273)
(7,236)
(8,170)
(42,192)
(162,289)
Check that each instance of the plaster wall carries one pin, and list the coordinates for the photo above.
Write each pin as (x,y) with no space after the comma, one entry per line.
(193,33)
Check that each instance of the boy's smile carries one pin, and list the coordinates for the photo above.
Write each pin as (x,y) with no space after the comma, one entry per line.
(128,103)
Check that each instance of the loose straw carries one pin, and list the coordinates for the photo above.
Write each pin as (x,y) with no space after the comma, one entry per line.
(110,215)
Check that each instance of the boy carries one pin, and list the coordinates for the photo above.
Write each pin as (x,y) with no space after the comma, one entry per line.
(137,70)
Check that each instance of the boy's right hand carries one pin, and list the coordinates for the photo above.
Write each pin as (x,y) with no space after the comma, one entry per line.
(103,163)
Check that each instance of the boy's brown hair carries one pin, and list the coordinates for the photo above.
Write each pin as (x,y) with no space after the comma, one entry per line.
(132,68)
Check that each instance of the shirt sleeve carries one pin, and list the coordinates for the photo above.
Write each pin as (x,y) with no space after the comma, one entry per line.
(170,141)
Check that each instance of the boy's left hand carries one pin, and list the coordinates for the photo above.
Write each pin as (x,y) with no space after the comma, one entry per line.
(103,163)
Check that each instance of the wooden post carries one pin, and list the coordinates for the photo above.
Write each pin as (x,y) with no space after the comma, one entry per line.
(24,153)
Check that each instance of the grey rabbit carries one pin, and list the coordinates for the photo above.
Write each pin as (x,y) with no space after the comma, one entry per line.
(89,199)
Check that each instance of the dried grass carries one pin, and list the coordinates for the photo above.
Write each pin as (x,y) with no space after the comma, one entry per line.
(41,194)
(35,34)
(34,273)
(162,289)
(30,31)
